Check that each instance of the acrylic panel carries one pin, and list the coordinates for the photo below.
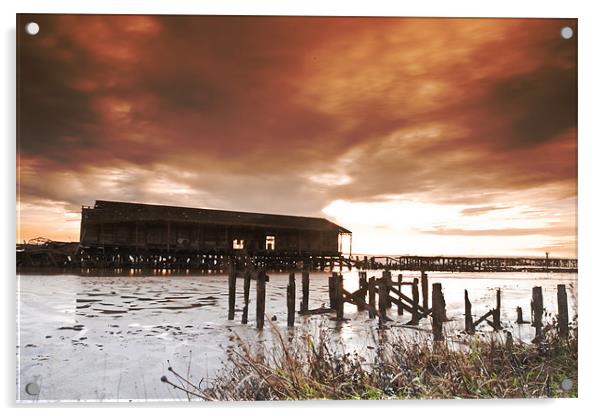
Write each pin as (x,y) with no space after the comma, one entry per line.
(285,207)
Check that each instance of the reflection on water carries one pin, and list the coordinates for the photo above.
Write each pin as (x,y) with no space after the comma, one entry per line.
(109,337)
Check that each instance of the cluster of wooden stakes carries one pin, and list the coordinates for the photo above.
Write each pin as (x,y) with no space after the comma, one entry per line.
(389,293)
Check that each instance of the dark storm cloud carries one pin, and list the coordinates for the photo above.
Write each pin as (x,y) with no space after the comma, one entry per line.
(248,112)
(214,87)
(538,106)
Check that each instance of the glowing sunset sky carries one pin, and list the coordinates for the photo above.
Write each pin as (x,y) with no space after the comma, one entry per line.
(422,136)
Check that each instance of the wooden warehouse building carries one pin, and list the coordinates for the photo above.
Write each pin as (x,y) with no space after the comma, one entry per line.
(169,229)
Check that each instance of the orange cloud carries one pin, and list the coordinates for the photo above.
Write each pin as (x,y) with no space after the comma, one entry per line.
(288,114)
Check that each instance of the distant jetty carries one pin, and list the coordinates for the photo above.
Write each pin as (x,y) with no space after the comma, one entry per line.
(47,253)
(126,236)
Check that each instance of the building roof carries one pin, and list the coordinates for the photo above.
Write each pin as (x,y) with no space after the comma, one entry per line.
(112,211)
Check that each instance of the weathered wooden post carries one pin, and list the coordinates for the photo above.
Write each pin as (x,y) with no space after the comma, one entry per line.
(340,305)
(537,312)
(260,298)
(388,282)
(382,298)
(519,316)
(424,282)
(468,323)
(305,292)
(372,297)
(399,282)
(563,311)
(497,324)
(415,303)
(438,313)
(332,289)
(290,300)
(247,287)
(231,291)
(443,306)
(363,287)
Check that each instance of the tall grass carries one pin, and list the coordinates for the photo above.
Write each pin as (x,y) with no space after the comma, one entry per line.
(306,367)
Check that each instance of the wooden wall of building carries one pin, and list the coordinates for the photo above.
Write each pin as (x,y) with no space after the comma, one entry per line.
(203,237)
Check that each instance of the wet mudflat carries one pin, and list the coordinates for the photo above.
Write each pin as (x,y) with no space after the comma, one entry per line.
(110,337)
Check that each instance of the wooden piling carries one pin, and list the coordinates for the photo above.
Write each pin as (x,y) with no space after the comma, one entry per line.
(231,291)
(305,292)
(260,298)
(424,282)
(519,316)
(372,297)
(438,313)
(363,286)
(563,311)
(537,312)
(290,300)
(246,288)
(497,324)
(415,303)
(382,298)
(332,290)
(340,304)
(388,282)
(468,323)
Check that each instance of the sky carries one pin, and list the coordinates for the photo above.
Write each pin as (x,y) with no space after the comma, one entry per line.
(422,136)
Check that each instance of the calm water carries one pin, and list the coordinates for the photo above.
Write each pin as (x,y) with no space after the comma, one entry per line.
(110,337)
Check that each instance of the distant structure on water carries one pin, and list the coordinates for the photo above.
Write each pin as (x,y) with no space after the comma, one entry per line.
(132,236)
(169,229)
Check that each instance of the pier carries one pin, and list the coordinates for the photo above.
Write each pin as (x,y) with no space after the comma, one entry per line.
(133,236)
(378,295)
(46,253)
